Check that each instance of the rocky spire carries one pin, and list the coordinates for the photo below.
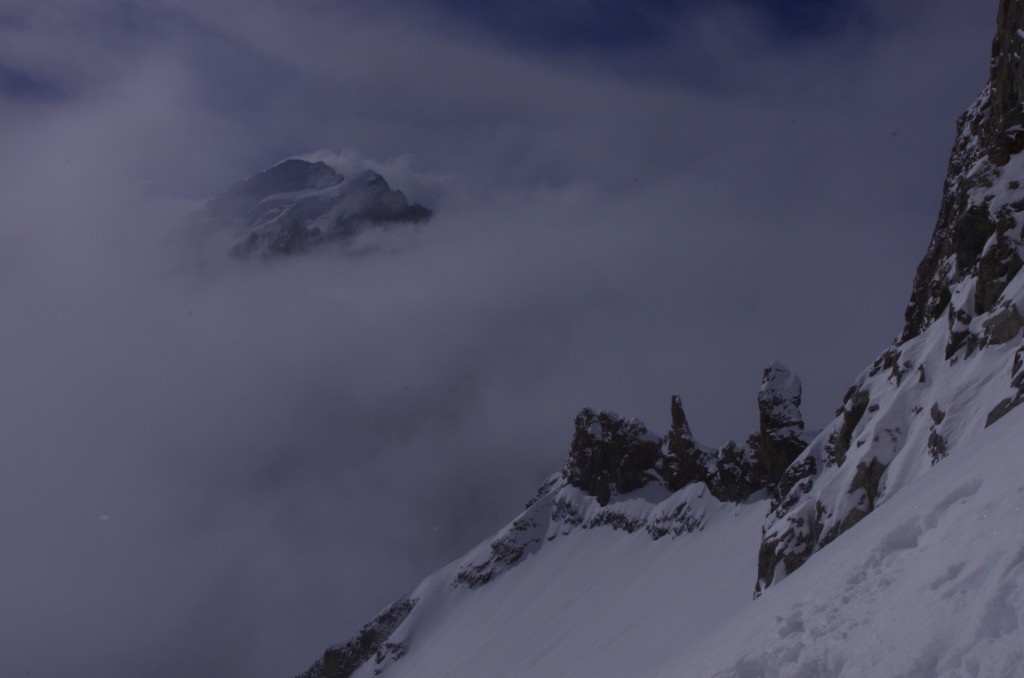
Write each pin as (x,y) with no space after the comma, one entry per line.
(782,426)
(683,461)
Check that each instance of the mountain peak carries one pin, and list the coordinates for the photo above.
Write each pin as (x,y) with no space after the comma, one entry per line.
(297,205)
(287,176)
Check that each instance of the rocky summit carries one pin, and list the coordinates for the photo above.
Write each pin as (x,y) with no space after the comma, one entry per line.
(897,527)
(297,205)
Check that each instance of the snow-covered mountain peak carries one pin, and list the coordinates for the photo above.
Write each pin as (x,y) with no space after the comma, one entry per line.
(297,205)
(288,176)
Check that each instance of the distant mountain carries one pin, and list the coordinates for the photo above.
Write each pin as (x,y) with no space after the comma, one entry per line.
(889,544)
(297,205)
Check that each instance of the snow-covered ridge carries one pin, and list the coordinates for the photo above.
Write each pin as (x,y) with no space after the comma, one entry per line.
(619,477)
(297,205)
(560,511)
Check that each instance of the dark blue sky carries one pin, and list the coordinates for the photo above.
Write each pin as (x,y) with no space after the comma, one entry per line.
(609,24)
(600,30)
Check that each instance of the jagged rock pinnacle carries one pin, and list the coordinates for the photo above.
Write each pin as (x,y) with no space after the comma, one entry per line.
(683,461)
(782,426)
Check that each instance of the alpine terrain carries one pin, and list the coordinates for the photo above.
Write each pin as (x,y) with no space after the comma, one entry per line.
(297,205)
(891,543)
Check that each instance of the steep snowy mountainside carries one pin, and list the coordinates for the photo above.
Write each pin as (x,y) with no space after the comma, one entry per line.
(905,415)
(297,205)
(956,367)
(929,584)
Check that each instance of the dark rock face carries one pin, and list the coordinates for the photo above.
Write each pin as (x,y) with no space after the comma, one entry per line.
(1002,327)
(342,661)
(738,471)
(610,455)
(683,463)
(782,426)
(852,412)
(298,205)
(506,551)
(1007,71)
(1017,382)
(990,131)
(997,266)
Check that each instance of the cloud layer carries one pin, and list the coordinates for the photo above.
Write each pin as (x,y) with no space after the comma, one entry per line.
(217,468)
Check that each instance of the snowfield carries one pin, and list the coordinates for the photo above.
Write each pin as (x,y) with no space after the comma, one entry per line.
(930,584)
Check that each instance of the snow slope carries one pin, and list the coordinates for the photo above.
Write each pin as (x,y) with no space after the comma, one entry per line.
(930,584)
(593,603)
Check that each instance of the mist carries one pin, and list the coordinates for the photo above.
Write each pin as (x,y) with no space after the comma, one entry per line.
(219,467)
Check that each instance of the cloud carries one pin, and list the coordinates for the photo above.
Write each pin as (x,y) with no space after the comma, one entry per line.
(219,468)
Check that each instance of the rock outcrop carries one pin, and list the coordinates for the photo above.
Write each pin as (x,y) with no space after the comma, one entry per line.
(610,455)
(370,644)
(298,205)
